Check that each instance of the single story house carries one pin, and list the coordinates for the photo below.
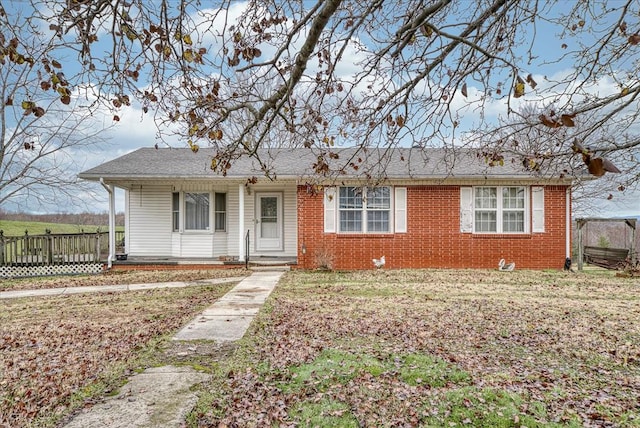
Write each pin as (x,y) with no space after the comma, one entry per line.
(417,207)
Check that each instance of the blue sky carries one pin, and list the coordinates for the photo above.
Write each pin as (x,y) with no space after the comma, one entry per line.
(136,130)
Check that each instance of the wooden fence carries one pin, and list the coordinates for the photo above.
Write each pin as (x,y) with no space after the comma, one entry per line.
(55,249)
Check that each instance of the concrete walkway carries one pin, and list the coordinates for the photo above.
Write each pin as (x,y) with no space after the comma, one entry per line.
(161,397)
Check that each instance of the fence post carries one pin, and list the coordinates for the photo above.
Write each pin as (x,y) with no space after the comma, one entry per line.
(2,260)
(97,244)
(49,247)
(26,249)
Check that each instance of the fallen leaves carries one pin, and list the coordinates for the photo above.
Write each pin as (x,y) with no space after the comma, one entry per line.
(438,348)
(50,348)
(116,277)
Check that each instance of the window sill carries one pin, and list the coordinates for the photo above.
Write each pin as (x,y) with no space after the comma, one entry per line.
(364,235)
(501,235)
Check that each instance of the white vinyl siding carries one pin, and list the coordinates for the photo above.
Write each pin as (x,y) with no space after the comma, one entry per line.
(290,219)
(149,221)
(233,221)
(196,245)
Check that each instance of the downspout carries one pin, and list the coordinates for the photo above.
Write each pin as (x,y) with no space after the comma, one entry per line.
(568,223)
(241,243)
(112,223)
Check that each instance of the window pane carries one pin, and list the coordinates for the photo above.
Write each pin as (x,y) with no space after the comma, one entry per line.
(486,197)
(350,198)
(350,221)
(486,221)
(513,221)
(196,211)
(221,211)
(221,201)
(378,198)
(377,221)
(175,202)
(513,198)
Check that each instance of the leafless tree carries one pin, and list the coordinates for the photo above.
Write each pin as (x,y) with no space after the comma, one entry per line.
(43,131)
(242,76)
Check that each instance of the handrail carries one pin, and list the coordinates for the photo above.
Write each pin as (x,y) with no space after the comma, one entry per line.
(246,250)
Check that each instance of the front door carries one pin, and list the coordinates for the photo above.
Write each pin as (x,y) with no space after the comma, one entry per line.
(269,229)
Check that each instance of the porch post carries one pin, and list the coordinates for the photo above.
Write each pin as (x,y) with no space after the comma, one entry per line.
(112,222)
(241,231)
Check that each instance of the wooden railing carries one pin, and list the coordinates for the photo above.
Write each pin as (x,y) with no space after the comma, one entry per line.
(52,249)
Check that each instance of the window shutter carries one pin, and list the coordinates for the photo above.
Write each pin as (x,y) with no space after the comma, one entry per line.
(400,214)
(330,209)
(466,209)
(537,209)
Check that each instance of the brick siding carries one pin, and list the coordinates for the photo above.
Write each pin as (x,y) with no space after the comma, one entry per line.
(433,238)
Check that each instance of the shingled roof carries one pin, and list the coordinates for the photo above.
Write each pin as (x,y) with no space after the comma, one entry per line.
(396,163)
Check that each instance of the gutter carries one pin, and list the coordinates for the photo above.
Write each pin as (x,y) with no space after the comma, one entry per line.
(112,223)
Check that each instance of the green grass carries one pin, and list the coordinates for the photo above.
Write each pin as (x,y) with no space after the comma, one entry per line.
(17,228)
(486,407)
(332,366)
(424,369)
(326,413)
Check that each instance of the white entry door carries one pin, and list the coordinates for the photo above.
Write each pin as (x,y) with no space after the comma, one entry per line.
(269,228)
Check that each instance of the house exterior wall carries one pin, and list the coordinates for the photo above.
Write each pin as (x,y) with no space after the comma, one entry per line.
(149,229)
(433,238)
(149,221)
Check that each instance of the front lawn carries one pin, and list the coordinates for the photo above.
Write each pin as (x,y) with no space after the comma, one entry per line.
(436,348)
(58,354)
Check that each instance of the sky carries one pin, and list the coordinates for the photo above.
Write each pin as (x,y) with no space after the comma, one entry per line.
(135,130)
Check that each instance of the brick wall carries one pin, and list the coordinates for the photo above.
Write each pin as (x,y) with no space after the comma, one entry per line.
(433,238)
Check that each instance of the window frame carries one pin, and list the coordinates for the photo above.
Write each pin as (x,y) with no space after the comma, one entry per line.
(365,210)
(500,210)
(217,212)
(175,212)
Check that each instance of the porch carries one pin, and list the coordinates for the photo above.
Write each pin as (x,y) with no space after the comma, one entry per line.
(160,263)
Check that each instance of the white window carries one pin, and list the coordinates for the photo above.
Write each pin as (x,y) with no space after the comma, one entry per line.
(364,209)
(175,211)
(221,212)
(500,209)
(196,211)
